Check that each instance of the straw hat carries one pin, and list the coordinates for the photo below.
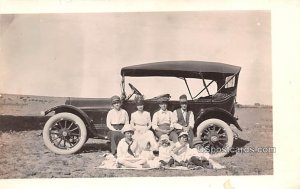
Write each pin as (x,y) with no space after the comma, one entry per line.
(126,128)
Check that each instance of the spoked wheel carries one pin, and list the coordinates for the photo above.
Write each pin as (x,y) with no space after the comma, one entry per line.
(216,137)
(64,133)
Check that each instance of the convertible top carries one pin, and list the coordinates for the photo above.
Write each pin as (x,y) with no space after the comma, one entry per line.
(185,69)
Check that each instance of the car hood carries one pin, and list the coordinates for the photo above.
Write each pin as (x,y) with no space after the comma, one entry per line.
(89,103)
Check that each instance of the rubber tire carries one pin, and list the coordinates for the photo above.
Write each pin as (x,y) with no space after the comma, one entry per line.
(227,129)
(57,117)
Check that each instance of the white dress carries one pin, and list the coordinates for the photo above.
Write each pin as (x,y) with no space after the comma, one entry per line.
(141,122)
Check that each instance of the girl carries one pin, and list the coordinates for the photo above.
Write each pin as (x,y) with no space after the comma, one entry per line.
(165,151)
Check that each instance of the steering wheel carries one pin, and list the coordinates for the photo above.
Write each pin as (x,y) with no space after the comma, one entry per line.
(134,89)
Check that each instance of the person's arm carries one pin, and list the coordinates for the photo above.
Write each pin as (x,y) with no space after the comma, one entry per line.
(108,121)
(148,121)
(191,120)
(175,120)
(155,121)
(132,120)
(121,150)
(126,117)
(178,147)
(171,124)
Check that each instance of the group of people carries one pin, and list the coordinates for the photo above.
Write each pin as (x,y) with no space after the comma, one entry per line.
(134,142)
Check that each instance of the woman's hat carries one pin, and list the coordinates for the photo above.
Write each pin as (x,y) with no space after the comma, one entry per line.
(139,100)
(115,99)
(126,128)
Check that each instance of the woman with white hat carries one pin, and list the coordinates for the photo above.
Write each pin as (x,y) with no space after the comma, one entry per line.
(128,151)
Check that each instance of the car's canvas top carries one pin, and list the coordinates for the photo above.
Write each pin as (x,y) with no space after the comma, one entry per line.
(186,69)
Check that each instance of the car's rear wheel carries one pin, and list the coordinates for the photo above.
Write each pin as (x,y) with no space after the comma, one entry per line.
(64,133)
(216,137)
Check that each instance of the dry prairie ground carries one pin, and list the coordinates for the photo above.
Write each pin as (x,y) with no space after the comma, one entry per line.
(24,155)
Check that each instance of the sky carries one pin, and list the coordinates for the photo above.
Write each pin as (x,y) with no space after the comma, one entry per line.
(81,54)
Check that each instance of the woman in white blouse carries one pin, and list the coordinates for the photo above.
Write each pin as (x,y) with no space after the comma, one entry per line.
(141,122)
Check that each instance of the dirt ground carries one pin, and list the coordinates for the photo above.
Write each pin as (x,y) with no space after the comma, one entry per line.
(24,155)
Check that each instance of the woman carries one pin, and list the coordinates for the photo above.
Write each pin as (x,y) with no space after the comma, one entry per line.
(141,122)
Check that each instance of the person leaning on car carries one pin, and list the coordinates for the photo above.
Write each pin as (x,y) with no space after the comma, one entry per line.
(115,121)
(183,119)
(162,121)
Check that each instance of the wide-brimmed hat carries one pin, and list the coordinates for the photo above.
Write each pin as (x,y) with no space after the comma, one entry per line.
(183,133)
(164,137)
(126,128)
(196,141)
(115,99)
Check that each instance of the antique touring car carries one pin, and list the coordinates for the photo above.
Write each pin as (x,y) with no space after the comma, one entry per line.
(71,124)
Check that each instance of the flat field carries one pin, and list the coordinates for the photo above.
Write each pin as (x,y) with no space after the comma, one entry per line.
(24,155)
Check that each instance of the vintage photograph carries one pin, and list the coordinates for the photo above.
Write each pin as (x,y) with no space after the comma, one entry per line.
(136,94)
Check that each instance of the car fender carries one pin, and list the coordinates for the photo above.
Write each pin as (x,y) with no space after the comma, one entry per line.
(72,109)
(216,113)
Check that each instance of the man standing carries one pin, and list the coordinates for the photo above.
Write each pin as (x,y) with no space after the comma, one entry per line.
(162,121)
(115,121)
(183,120)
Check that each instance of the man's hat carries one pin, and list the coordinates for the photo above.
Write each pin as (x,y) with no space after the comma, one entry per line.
(115,99)
(183,98)
(163,100)
(183,133)
(196,141)
(126,128)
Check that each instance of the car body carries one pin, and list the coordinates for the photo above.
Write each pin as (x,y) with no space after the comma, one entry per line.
(214,113)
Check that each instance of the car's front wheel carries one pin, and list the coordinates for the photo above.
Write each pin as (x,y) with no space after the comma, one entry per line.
(64,133)
(216,137)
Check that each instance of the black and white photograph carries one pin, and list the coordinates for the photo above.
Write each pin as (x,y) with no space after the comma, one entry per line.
(136,94)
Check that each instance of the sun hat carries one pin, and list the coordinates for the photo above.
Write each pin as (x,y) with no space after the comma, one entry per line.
(164,137)
(115,99)
(126,128)
(183,133)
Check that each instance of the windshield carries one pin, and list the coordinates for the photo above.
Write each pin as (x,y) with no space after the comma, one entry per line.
(152,87)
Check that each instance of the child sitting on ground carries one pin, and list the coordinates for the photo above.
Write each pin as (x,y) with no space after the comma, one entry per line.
(165,151)
(127,151)
(147,153)
(201,158)
(181,150)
